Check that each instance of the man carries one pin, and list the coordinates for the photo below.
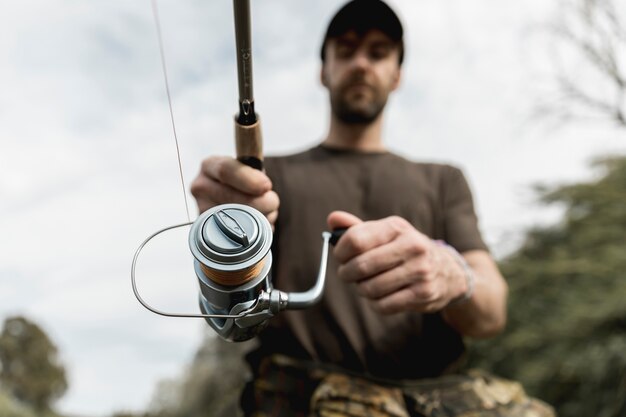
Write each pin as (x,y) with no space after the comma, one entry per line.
(410,277)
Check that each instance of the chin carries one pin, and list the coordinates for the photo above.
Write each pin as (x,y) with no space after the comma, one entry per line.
(356,117)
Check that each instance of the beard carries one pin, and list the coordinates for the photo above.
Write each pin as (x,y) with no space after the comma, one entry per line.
(360,107)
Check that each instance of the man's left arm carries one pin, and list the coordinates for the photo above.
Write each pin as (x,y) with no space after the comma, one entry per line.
(483,313)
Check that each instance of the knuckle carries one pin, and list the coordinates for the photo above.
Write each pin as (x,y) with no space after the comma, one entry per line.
(357,243)
(420,271)
(209,163)
(397,222)
(424,271)
(361,267)
(261,181)
(413,247)
(221,169)
(430,293)
(424,292)
(206,164)
(197,186)
(216,192)
(416,245)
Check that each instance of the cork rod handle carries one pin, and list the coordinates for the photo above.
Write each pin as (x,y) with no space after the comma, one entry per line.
(249,144)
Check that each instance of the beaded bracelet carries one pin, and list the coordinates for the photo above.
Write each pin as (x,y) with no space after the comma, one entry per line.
(470,278)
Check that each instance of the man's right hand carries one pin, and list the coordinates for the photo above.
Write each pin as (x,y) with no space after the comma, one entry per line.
(225,180)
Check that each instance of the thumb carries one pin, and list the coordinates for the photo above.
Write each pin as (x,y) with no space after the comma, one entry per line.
(341,220)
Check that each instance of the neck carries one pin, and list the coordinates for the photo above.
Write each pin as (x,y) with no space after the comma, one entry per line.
(361,137)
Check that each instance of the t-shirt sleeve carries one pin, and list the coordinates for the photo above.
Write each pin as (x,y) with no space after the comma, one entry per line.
(460,220)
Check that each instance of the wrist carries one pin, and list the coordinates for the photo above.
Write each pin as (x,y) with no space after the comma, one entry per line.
(468,274)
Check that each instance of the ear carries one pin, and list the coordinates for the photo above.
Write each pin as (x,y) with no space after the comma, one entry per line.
(397,78)
(323,75)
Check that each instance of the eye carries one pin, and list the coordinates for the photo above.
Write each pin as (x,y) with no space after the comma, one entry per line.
(378,52)
(344,50)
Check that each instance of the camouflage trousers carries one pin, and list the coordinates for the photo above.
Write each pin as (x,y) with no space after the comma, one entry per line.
(288,388)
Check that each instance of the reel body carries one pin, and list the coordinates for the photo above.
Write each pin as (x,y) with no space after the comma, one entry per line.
(231,246)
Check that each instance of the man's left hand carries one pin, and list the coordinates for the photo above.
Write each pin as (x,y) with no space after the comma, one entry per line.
(395,266)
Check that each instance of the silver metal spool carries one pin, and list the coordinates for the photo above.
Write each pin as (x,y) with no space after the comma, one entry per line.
(211,246)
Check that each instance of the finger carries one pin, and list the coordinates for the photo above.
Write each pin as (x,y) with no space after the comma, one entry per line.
(236,175)
(342,220)
(396,279)
(272,217)
(217,193)
(406,299)
(267,203)
(199,189)
(371,263)
(384,284)
(365,236)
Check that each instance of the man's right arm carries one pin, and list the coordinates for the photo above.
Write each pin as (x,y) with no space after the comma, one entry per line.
(225,180)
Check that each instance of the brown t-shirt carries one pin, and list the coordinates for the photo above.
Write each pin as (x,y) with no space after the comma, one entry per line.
(343,329)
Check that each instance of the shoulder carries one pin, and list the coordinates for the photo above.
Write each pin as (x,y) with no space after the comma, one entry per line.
(275,164)
(443,180)
(433,172)
(304,155)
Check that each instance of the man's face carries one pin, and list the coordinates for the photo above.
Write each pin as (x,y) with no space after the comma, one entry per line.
(359,73)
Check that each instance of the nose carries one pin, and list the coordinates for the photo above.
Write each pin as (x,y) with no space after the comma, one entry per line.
(360,60)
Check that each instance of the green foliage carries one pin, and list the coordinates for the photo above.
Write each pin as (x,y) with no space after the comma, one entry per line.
(566,337)
(10,407)
(210,386)
(214,380)
(31,371)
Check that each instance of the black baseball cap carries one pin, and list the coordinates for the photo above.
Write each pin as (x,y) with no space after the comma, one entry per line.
(363,16)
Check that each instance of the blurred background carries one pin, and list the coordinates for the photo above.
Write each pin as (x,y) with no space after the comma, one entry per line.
(528,98)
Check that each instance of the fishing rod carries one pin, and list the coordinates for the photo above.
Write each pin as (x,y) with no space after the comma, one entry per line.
(248,139)
(231,243)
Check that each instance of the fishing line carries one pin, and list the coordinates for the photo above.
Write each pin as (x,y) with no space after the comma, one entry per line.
(155,13)
(231,243)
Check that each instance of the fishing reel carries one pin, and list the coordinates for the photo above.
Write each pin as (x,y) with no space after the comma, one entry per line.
(231,243)
(231,246)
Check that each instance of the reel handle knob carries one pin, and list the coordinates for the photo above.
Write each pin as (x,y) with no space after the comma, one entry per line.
(336,234)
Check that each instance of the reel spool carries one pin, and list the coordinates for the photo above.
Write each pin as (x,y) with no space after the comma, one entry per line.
(231,245)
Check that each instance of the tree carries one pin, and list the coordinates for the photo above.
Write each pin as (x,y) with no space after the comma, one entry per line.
(590,61)
(210,386)
(31,370)
(566,338)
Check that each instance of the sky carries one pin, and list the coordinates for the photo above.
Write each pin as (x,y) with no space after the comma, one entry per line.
(88,165)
